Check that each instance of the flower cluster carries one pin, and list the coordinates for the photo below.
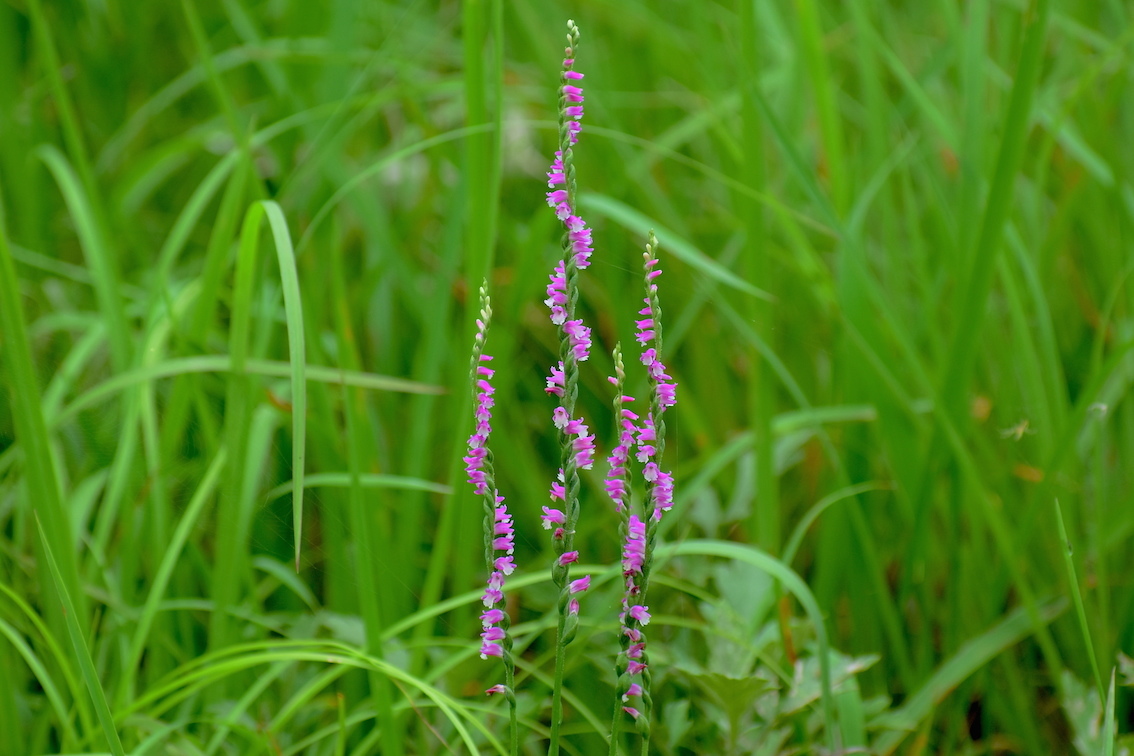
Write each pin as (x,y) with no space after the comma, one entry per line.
(499,533)
(503,540)
(617,481)
(577,442)
(583,444)
(561,196)
(477,455)
(649,440)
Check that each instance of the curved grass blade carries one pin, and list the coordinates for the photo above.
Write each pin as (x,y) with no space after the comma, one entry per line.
(365,480)
(630,218)
(172,553)
(82,653)
(293,311)
(40,463)
(220,363)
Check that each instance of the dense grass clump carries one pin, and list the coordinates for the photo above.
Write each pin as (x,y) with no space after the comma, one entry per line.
(240,252)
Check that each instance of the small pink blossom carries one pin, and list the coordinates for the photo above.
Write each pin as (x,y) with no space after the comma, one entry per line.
(580,585)
(640,613)
(552,517)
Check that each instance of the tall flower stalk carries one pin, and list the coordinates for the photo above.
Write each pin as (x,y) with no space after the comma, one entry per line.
(499,535)
(639,535)
(576,441)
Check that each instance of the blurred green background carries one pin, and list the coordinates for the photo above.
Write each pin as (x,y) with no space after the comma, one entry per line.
(897,240)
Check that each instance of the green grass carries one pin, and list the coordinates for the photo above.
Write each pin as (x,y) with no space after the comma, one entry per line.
(898,305)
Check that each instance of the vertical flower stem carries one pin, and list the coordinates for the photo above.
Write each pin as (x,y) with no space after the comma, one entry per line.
(659,490)
(618,487)
(575,443)
(498,530)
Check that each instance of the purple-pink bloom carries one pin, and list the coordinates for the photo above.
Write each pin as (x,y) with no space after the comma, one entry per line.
(580,585)
(631,711)
(634,690)
(494,590)
(556,381)
(492,616)
(557,196)
(572,93)
(552,516)
(616,489)
(489,648)
(580,338)
(651,470)
(634,552)
(496,689)
(635,667)
(568,557)
(573,129)
(573,606)
(557,294)
(663,493)
(584,448)
(640,613)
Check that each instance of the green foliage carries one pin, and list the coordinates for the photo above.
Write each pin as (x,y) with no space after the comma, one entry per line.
(898,304)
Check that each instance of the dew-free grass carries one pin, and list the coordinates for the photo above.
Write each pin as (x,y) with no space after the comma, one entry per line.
(897,305)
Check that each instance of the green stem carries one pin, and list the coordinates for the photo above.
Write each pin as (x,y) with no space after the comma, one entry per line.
(557,686)
(561,573)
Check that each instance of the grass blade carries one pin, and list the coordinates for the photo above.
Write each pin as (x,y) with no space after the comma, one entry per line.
(82,654)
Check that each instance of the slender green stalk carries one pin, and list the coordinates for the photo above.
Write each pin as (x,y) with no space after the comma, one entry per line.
(1077,597)
(369,541)
(618,486)
(765,518)
(498,531)
(41,467)
(576,446)
(82,652)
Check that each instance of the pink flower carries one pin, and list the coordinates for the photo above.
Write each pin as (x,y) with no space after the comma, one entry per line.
(640,613)
(663,493)
(492,617)
(580,585)
(580,339)
(557,296)
(557,492)
(572,93)
(634,552)
(555,381)
(505,564)
(496,689)
(552,516)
